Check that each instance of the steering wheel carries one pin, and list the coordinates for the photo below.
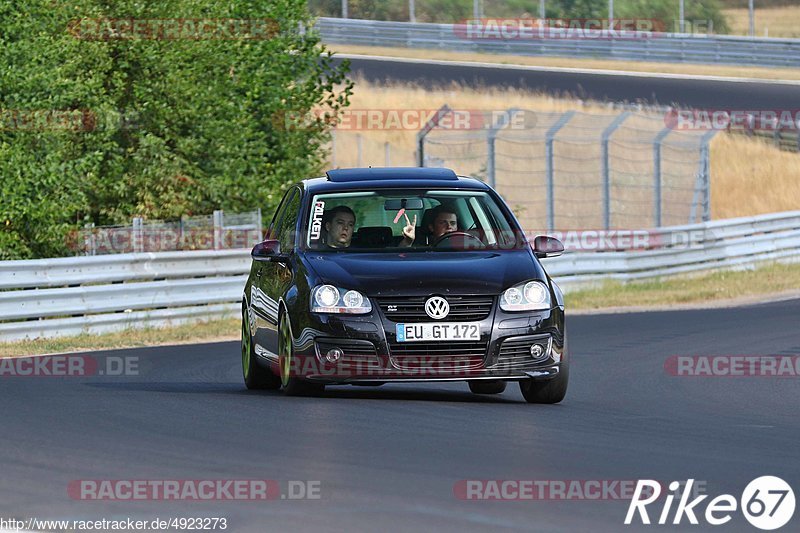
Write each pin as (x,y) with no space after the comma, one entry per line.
(444,238)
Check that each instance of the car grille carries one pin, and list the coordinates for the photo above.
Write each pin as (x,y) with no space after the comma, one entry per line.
(515,351)
(412,308)
(355,351)
(437,355)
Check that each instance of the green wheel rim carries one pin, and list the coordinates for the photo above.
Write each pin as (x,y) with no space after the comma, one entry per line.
(246,340)
(285,350)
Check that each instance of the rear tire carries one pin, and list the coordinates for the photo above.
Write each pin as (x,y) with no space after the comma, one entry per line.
(255,376)
(487,387)
(292,385)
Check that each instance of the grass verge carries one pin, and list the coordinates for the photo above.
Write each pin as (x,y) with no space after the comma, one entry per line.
(210,331)
(705,288)
(692,69)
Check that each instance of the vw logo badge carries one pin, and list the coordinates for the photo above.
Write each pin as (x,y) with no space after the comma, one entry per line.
(437,307)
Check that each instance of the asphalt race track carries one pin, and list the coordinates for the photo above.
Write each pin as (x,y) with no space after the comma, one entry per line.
(388,458)
(684,92)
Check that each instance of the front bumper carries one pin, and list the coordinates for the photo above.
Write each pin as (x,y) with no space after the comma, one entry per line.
(543,373)
(369,350)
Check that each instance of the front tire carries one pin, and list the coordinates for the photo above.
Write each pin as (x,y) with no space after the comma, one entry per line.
(292,385)
(549,391)
(487,387)
(255,376)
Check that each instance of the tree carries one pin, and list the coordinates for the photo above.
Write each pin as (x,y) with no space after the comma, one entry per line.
(168,125)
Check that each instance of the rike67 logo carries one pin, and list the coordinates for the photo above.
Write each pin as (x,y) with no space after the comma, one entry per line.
(767,503)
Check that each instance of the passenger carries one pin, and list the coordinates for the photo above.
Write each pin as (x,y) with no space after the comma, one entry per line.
(339,224)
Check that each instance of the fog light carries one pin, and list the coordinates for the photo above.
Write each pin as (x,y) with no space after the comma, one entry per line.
(333,355)
(537,350)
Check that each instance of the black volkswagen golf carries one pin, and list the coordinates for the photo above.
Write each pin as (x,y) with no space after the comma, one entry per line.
(378,275)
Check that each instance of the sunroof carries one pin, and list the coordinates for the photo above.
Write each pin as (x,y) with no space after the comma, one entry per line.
(396,173)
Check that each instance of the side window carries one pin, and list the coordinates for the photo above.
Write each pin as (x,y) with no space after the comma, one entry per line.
(497,222)
(272,230)
(287,225)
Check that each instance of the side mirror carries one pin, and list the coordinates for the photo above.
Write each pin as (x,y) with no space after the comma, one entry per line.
(267,250)
(544,246)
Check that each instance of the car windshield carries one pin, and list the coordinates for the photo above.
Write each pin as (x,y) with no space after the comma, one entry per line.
(409,219)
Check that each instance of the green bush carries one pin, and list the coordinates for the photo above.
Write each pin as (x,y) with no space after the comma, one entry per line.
(168,126)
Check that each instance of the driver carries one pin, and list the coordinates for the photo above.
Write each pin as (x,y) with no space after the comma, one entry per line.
(443,220)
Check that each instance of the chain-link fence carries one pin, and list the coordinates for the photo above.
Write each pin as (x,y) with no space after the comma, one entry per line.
(217,231)
(561,171)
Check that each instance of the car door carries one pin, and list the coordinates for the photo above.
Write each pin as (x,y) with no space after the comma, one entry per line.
(273,278)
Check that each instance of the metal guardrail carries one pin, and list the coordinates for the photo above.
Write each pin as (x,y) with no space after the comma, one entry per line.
(98,294)
(666,47)
(68,296)
(117,268)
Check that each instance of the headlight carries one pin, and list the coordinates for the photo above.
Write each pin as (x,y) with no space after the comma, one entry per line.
(326,296)
(530,296)
(330,299)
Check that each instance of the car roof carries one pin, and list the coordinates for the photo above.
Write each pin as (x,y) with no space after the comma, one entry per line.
(390,177)
(341,175)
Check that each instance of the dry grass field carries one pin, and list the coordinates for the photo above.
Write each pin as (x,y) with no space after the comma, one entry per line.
(770,21)
(748,176)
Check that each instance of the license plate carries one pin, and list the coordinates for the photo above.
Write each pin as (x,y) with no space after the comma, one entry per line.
(439,331)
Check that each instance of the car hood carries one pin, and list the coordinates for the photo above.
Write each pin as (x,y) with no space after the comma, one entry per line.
(422,273)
